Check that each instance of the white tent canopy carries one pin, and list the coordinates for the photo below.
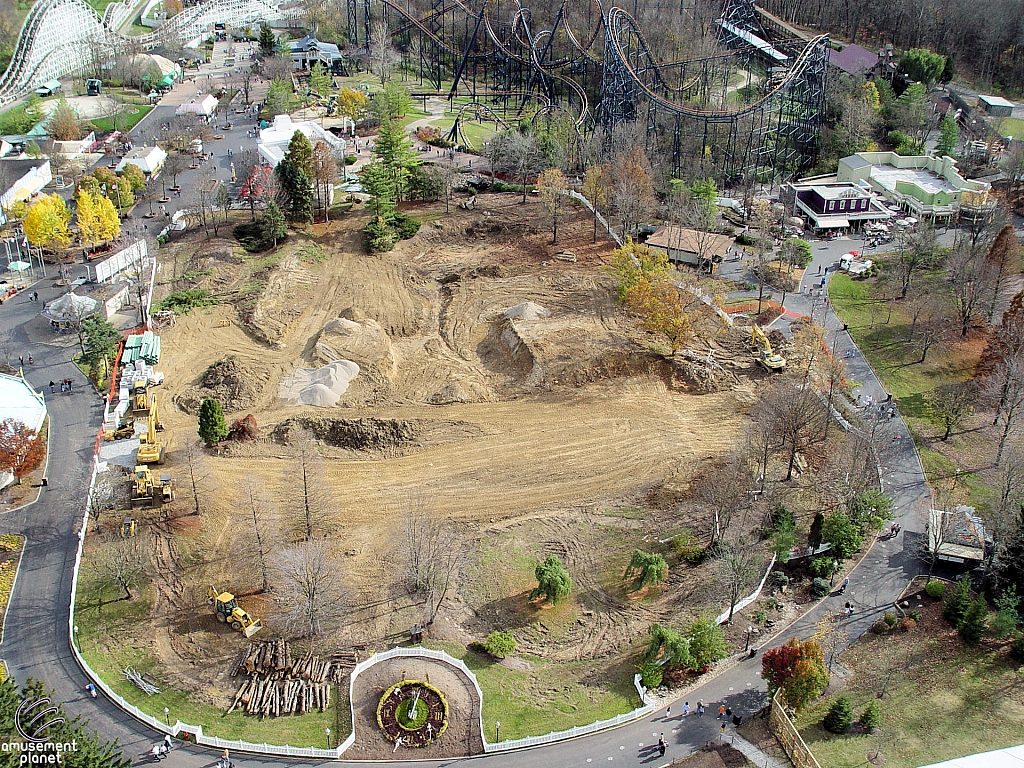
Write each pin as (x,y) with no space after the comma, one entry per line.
(70,306)
(205,106)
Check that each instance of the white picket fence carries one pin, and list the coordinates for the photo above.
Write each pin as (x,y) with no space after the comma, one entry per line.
(724,615)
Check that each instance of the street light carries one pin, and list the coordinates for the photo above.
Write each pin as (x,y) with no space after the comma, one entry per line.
(327,733)
(167,716)
(497,727)
(78,643)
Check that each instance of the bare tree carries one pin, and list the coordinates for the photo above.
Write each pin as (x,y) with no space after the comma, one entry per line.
(970,280)
(737,568)
(309,590)
(432,553)
(800,417)
(257,506)
(312,503)
(381,51)
(447,177)
(953,404)
(243,79)
(325,172)
(1009,394)
(723,493)
(931,327)
(632,190)
(120,563)
(914,253)
(197,482)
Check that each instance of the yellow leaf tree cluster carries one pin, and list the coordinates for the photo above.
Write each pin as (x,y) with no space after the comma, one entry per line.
(46,222)
(97,218)
(646,289)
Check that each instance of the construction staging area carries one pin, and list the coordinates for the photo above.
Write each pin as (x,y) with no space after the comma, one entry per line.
(498,390)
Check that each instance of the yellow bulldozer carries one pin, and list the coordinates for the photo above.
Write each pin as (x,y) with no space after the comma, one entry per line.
(228,611)
(140,398)
(125,429)
(773,362)
(151,450)
(150,489)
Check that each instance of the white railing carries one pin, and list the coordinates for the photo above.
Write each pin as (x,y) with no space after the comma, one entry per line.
(749,598)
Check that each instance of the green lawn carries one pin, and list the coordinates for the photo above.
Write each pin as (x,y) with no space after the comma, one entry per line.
(952,701)
(548,697)
(127,118)
(103,629)
(476,133)
(1011,126)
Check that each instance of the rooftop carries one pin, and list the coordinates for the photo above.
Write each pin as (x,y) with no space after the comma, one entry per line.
(888,175)
(837,191)
(853,59)
(996,101)
(20,402)
(680,239)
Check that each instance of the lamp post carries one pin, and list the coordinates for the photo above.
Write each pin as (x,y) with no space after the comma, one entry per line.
(497,728)
(78,643)
(327,733)
(167,716)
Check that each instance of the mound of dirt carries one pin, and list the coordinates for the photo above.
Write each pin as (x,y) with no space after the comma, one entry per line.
(353,434)
(364,342)
(461,391)
(322,387)
(235,386)
(526,311)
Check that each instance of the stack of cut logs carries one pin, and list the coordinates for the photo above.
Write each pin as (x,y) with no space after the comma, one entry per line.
(278,685)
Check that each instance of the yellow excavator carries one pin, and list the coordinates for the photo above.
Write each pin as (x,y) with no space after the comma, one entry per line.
(229,612)
(147,490)
(767,356)
(151,450)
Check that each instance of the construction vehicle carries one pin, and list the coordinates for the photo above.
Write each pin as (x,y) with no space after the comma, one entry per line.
(151,450)
(140,398)
(125,429)
(228,611)
(767,356)
(146,490)
(128,528)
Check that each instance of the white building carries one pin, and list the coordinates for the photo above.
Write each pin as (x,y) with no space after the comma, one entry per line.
(273,141)
(205,107)
(29,176)
(148,159)
(20,402)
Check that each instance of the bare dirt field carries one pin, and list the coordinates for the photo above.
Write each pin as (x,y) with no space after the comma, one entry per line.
(533,432)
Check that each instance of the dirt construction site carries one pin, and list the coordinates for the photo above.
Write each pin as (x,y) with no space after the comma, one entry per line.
(500,388)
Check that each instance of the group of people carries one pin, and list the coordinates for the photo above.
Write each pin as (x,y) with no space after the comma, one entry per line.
(161,750)
(65,386)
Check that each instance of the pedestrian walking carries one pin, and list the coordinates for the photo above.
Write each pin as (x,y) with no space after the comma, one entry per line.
(51,387)
(21,360)
(721,711)
(686,708)
(728,713)
(63,385)
(723,726)
(69,385)
(700,708)
(668,712)
(662,746)
(167,741)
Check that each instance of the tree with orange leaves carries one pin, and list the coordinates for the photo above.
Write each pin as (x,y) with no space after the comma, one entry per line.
(21,449)
(798,669)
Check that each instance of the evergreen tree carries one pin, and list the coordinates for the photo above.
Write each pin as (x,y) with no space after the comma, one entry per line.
(213,427)
(393,149)
(272,224)
(707,642)
(949,137)
(300,153)
(947,71)
(298,191)
(840,715)
(957,601)
(646,569)
(268,45)
(973,625)
(553,581)
(870,717)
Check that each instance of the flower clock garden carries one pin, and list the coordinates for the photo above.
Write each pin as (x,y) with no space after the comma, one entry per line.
(412,713)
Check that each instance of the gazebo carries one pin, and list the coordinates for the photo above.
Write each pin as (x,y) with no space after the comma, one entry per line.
(69,310)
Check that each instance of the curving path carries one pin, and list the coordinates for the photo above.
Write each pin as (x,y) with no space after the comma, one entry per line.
(36,644)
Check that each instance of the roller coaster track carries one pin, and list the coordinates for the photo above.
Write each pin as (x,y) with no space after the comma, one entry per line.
(58,37)
(629,45)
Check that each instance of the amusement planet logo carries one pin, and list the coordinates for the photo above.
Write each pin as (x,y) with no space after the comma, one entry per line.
(34,719)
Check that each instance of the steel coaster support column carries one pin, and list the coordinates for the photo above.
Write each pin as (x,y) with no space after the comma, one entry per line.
(352,13)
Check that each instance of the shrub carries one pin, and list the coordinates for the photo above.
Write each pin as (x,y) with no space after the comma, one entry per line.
(650,675)
(553,580)
(891,619)
(870,504)
(823,567)
(350,159)
(1017,648)
(778,579)
(707,642)
(500,644)
(844,535)
(746,239)
(880,627)
(935,589)
(380,237)
(870,717)
(760,615)
(840,715)
(975,620)
(958,599)
(184,301)
(685,545)
(907,624)
(820,587)
(915,615)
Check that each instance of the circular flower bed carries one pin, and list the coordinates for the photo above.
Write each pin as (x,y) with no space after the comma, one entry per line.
(416,728)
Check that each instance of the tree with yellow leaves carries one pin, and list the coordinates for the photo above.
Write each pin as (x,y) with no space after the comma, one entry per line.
(552,186)
(352,103)
(96,217)
(647,292)
(46,222)
(595,189)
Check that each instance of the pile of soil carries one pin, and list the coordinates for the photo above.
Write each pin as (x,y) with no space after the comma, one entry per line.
(235,386)
(352,434)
